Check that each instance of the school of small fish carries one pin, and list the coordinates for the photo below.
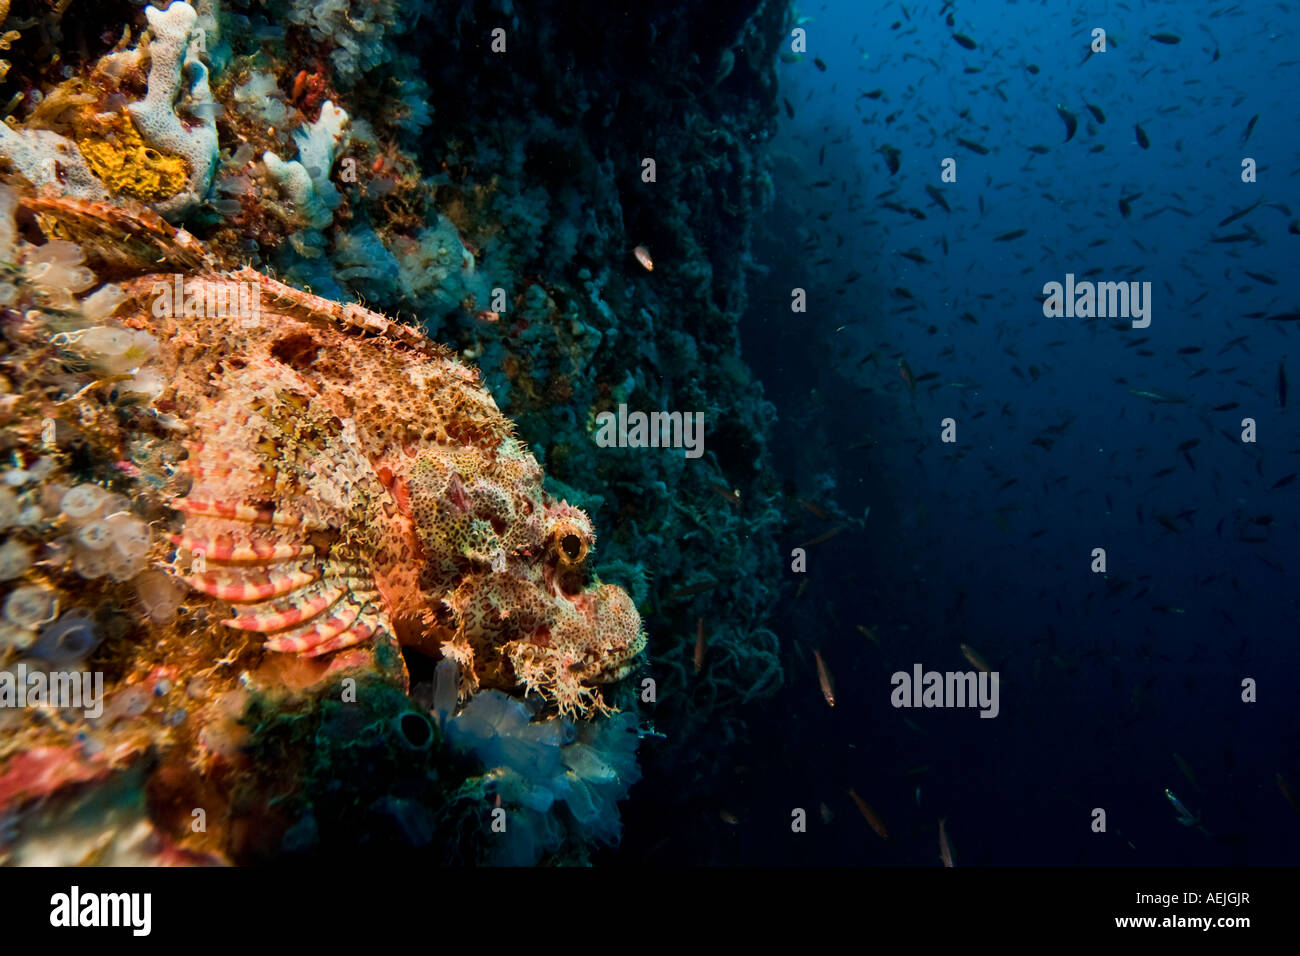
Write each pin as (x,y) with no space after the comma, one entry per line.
(920,230)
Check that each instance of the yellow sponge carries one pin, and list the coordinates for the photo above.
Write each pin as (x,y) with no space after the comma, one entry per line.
(122,161)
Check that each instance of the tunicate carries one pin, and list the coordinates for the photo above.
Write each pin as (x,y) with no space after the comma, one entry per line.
(548,733)
(91,564)
(579,799)
(31,606)
(15,559)
(207,111)
(111,350)
(8,507)
(129,534)
(531,760)
(514,788)
(19,638)
(126,569)
(56,269)
(82,502)
(584,761)
(160,595)
(102,303)
(444,693)
(114,502)
(144,386)
(96,535)
(131,702)
(71,638)
(117,545)
(51,496)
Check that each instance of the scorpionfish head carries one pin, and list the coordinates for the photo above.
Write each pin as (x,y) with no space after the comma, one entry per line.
(505,578)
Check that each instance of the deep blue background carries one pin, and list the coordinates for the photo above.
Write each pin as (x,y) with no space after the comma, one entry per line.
(1100,687)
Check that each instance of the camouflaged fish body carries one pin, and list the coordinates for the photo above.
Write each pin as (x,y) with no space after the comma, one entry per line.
(351,481)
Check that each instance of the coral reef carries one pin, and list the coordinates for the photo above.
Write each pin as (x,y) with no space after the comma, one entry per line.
(174,61)
(306,180)
(310,150)
(324,479)
(88,140)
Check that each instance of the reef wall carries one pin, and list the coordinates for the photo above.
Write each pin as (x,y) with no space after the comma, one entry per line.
(486,171)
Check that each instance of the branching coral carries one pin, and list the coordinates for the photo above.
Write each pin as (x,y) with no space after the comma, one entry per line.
(306,180)
(174,55)
(360,35)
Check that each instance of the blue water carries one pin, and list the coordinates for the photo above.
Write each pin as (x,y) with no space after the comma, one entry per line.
(989,540)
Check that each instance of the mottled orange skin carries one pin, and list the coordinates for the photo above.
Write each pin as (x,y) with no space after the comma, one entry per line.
(354,438)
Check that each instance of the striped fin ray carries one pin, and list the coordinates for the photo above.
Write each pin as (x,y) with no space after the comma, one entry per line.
(248,514)
(239,587)
(342,627)
(225,549)
(370,624)
(308,607)
(272,514)
(303,606)
(300,606)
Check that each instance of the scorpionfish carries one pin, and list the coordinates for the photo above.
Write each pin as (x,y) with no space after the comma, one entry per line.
(351,482)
